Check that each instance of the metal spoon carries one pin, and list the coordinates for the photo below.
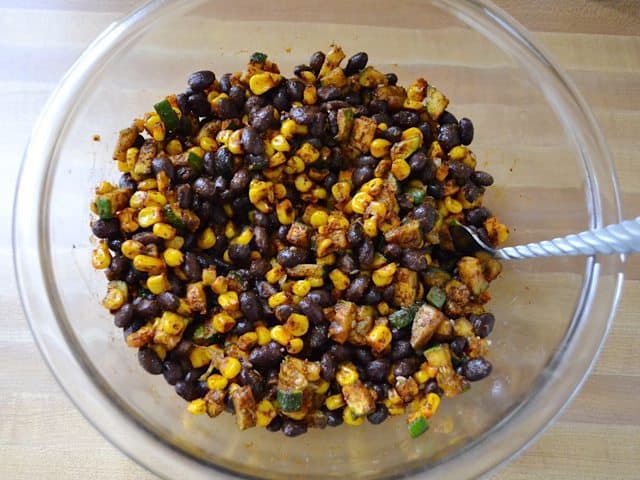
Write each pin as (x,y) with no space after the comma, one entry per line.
(617,238)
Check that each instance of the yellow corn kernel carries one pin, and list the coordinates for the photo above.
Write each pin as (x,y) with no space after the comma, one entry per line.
(234,144)
(199,357)
(277,159)
(383,127)
(280,335)
(373,187)
(264,336)
(370,227)
(209,276)
(285,212)
(383,308)
(177,242)
(217,382)
(295,346)
(265,413)
(172,323)
(380,147)
(248,340)
(334,402)
(288,128)
(132,157)
(294,165)
(244,238)
(207,239)
(341,191)
(131,248)
(174,147)
(350,418)
(149,215)
(197,406)
(421,376)
(230,230)
(199,151)
(223,322)
(280,144)
(276,274)
(280,191)
(155,127)
(137,199)
(228,209)
(379,338)
(316,282)
(346,374)
(157,284)
(220,285)
(377,209)
(431,405)
(148,264)
(229,301)
(278,299)
(412,132)
(310,95)
(263,82)
(164,230)
(393,409)
(117,293)
(319,193)
(297,324)
(301,287)
(384,276)
(339,279)
(303,183)
(155,198)
(360,202)
(319,218)
(308,153)
(222,137)
(452,205)
(101,257)
(400,169)
(173,257)
(230,367)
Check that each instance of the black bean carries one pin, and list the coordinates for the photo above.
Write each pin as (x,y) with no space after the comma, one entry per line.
(466,131)
(318,336)
(317,125)
(435,190)
(191,267)
(460,172)
(388,293)
(471,192)
(311,309)
(379,415)
(328,93)
(316,61)
(432,387)
(204,187)
(237,95)
(294,89)
(282,312)
(401,349)
(184,195)
(381,118)
(363,356)
(181,100)
(476,369)
(477,216)
(225,82)
(427,134)
(341,353)
(418,161)
(254,102)
(355,234)
(263,118)
(276,424)
(186,390)
(223,160)
(292,256)
(357,288)
(321,297)
(393,134)
(406,366)
(259,268)
(377,370)
(124,316)
(127,182)
(483,324)
(328,367)
(302,115)
(330,180)
(168,301)
(366,253)
(449,136)
(265,289)
(118,268)
(372,297)
(447,118)
(163,164)
(458,345)
(334,418)
(281,233)
(106,228)
(414,260)
(227,108)
(405,119)
(356,63)
(292,428)
(400,334)
(392,78)
(239,254)
(346,263)
(172,372)
(253,379)
(241,327)
(185,174)
(251,306)
(251,141)
(392,251)
(365,161)
(199,81)
(147,307)
(149,360)
(114,244)
(199,105)
(266,356)
(482,179)
(361,175)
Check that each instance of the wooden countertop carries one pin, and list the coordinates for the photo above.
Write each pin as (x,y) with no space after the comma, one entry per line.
(43,435)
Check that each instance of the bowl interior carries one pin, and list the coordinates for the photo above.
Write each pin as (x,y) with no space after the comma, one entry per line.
(540,191)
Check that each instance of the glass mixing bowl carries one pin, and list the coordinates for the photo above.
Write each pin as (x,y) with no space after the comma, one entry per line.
(533,132)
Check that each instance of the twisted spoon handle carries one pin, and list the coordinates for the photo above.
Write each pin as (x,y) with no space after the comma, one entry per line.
(618,238)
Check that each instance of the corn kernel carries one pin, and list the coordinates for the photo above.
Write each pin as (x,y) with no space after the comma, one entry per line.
(244,238)
(380,147)
(285,212)
(383,308)
(370,227)
(276,274)
(222,137)
(334,402)
(383,127)
(151,265)
(229,301)
(207,239)
(295,346)
(297,324)
(294,165)
(350,418)
(280,191)
(339,279)
(197,406)
(319,218)
(223,322)
(377,209)
(341,191)
(220,285)
(301,287)
(280,144)
(373,187)
(217,382)
(431,405)
(149,215)
(384,276)
(157,284)
(310,95)
(230,230)
(278,299)
(360,202)
(452,205)
(308,76)
(319,193)
(116,296)
(230,367)
(263,82)
(288,128)
(248,340)
(400,169)
(302,183)
(264,336)
(173,257)
(177,242)
(101,257)
(131,248)
(308,153)
(280,335)
(316,282)
(173,147)
(346,374)
(172,323)
(199,357)
(379,338)
(265,413)
(155,198)
(421,376)
(164,230)
(234,144)
(277,159)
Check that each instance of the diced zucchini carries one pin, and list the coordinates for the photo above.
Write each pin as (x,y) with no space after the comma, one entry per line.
(195,161)
(172,218)
(417,195)
(104,208)
(403,317)
(168,116)
(438,356)
(436,297)
(290,401)
(436,277)
(418,426)
(259,57)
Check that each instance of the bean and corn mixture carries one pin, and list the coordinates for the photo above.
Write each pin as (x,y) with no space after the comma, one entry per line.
(279,247)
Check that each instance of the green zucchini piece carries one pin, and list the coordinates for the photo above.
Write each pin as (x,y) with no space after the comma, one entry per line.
(418,427)
(436,297)
(195,161)
(417,195)
(290,401)
(168,116)
(258,57)
(172,217)
(104,208)
(403,317)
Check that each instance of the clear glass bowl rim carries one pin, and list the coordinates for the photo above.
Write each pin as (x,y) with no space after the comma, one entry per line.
(505,440)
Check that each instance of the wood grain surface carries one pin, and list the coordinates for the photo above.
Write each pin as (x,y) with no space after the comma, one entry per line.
(42,435)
